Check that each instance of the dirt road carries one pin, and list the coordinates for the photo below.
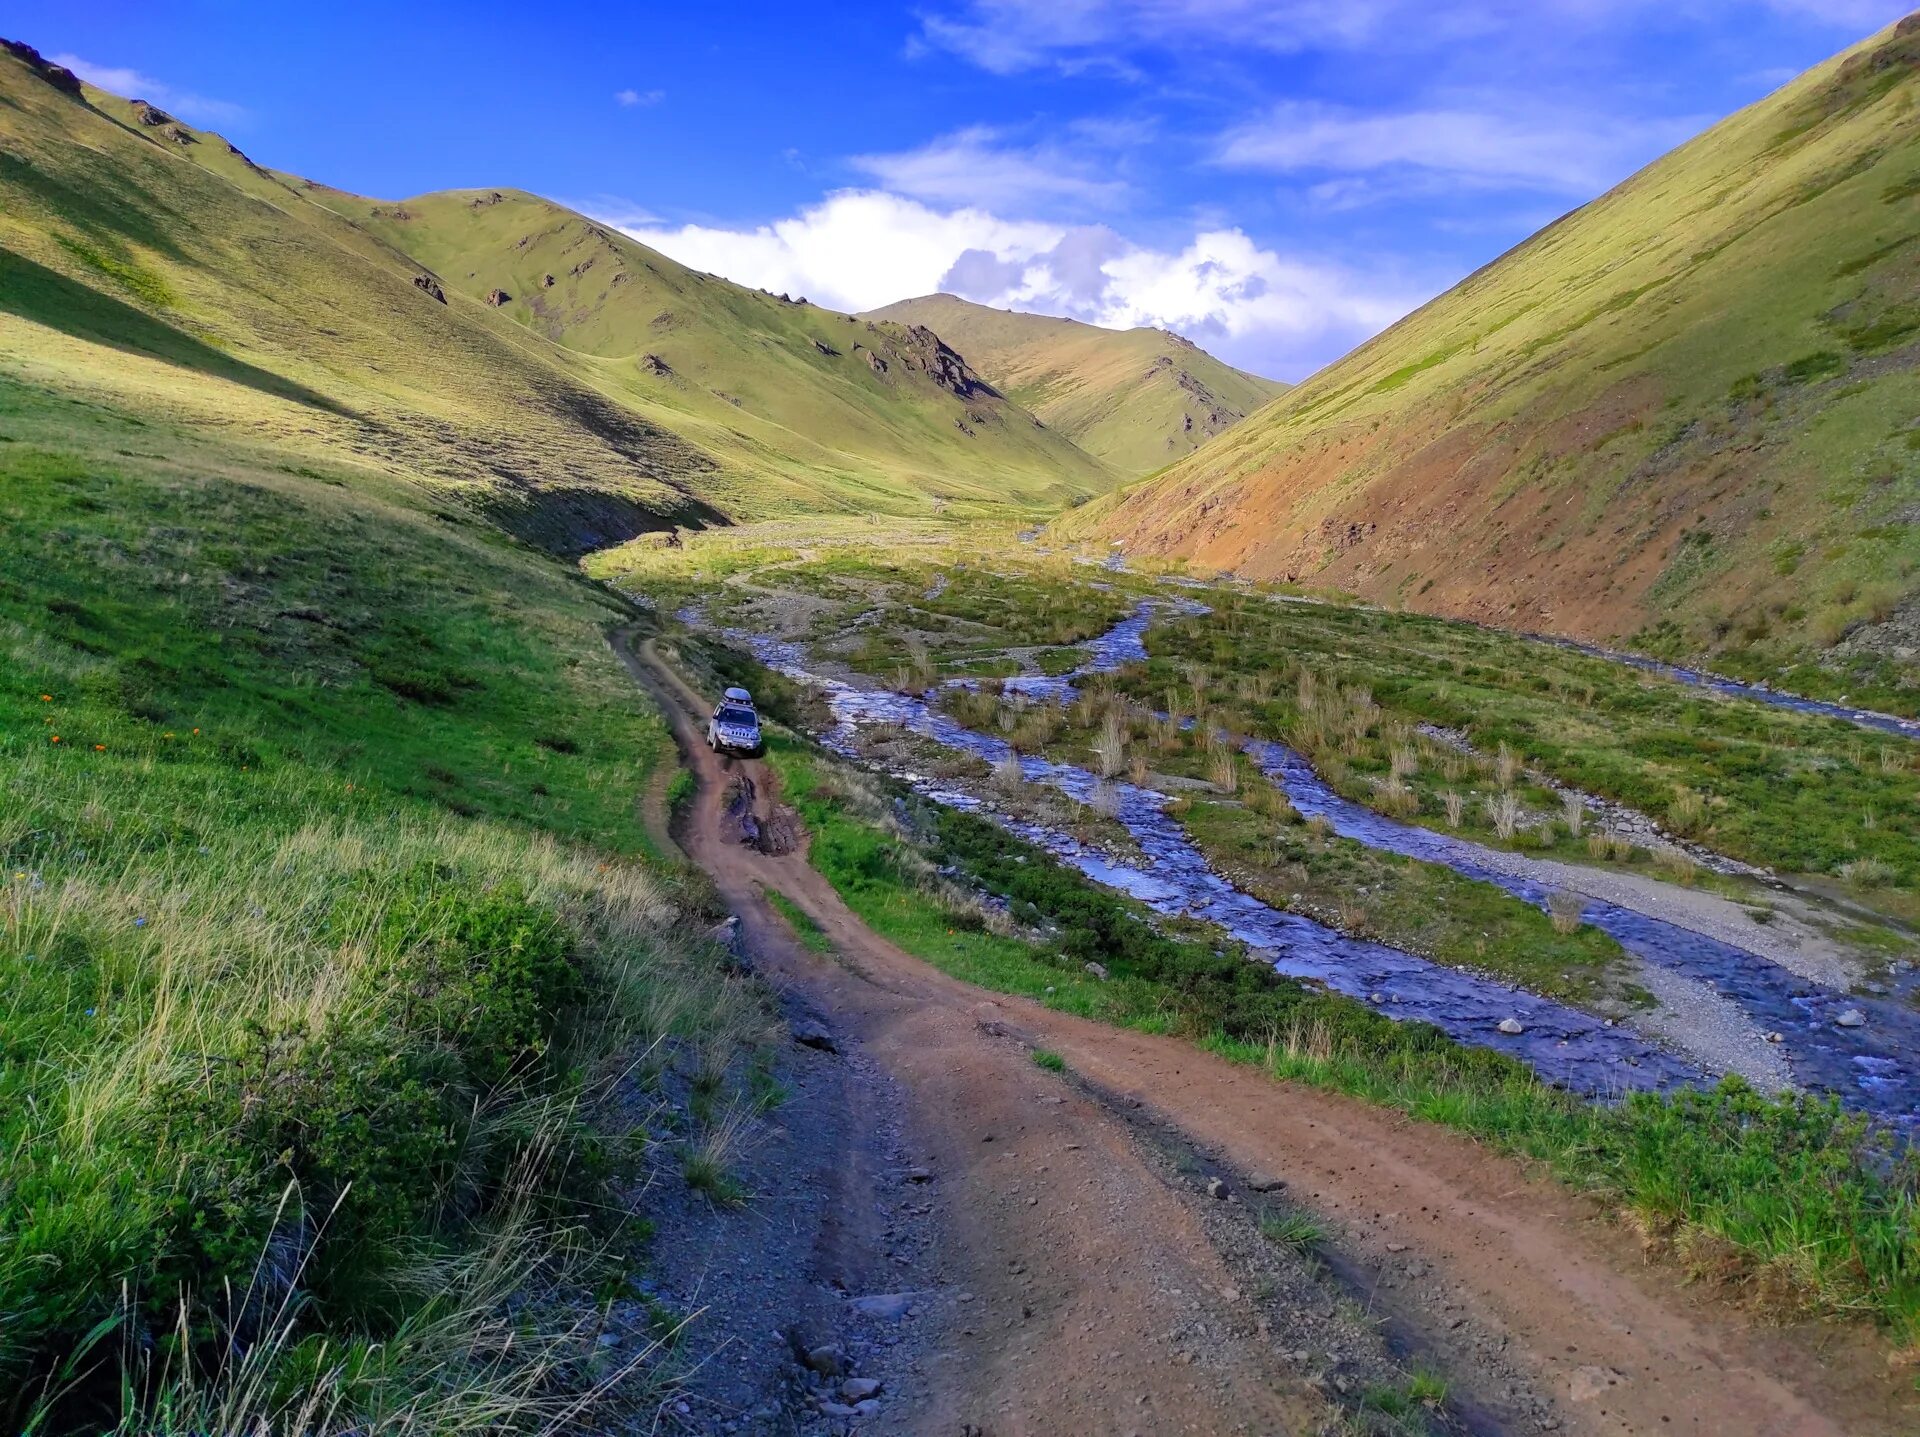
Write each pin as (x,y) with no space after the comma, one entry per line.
(1105,1292)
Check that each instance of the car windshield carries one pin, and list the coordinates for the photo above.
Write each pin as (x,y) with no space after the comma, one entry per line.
(740,718)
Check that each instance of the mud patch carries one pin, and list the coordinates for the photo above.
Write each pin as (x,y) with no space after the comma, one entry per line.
(757,821)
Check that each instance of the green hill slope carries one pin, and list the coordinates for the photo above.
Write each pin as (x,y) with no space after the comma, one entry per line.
(154,263)
(331,920)
(1684,414)
(743,373)
(1137,398)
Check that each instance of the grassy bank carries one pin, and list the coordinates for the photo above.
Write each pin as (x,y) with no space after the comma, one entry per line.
(327,931)
(1350,688)
(1789,1200)
(1250,832)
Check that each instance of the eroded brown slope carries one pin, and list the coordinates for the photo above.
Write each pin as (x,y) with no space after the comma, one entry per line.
(1690,403)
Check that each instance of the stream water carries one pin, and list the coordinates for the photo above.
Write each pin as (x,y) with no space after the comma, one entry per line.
(1565,1046)
(1733,688)
(1869,1067)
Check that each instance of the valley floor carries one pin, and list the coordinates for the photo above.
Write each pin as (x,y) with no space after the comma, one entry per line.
(1135,1235)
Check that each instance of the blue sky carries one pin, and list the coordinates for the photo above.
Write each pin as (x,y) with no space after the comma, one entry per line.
(1277,179)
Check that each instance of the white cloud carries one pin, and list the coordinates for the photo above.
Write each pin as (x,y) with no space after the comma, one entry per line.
(616,210)
(976,166)
(136,86)
(861,249)
(857,249)
(1008,36)
(1561,151)
(630,98)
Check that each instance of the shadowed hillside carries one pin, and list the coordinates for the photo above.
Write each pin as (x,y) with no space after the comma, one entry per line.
(1683,415)
(1137,398)
(154,264)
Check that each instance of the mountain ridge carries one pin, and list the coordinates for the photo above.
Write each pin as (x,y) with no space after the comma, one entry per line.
(127,232)
(1138,399)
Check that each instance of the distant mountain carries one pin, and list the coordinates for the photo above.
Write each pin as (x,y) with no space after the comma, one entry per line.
(542,367)
(1687,414)
(1136,398)
(745,374)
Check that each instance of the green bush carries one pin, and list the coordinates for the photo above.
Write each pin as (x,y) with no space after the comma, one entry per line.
(484,972)
(362,1127)
(1809,368)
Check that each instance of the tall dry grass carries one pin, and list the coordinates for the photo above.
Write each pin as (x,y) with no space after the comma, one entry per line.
(160,927)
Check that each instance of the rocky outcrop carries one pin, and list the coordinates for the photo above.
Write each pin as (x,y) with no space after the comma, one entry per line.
(58,76)
(654,364)
(546,281)
(426,284)
(498,297)
(917,348)
(148,114)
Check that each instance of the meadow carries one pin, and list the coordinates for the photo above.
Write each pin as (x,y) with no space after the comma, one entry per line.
(1362,693)
(1451,725)
(331,940)
(1463,729)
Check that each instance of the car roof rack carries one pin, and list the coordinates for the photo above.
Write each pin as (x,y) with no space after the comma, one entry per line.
(739,696)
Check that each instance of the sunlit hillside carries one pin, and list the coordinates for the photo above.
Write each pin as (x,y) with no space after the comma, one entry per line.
(1682,415)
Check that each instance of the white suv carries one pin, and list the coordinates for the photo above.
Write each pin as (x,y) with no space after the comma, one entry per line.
(735,727)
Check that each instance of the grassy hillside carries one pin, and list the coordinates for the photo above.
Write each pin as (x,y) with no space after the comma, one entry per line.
(800,402)
(148,265)
(328,927)
(1683,415)
(1137,398)
(141,258)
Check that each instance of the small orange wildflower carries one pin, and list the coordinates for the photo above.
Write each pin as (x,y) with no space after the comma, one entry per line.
(56,738)
(99,748)
(46,698)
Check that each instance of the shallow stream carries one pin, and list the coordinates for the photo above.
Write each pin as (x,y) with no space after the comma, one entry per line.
(1870,1066)
(1733,688)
